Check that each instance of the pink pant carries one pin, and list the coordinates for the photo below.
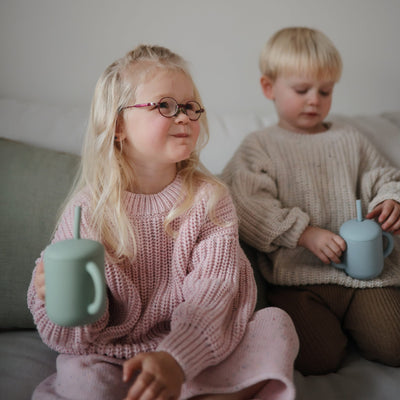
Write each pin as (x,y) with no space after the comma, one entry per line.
(266,353)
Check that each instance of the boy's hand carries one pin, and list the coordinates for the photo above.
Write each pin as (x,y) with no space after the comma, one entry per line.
(387,214)
(326,245)
(39,281)
(160,376)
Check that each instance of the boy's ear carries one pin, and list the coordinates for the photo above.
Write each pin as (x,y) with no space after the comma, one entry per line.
(267,86)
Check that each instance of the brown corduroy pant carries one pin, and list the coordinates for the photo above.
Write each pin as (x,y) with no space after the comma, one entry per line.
(326,317)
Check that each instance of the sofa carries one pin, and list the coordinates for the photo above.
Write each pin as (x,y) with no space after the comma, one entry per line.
(39,156)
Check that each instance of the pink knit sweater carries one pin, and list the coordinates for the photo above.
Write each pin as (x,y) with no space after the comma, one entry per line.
(191,296)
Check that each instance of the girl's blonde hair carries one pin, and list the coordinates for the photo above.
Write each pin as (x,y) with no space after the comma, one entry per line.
(300,50)
(105,172)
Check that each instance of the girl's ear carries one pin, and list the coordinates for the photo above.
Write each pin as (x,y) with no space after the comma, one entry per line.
(119,129)
(267,86)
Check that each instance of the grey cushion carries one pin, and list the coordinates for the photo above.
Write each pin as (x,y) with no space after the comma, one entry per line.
(24,362)
(33,183)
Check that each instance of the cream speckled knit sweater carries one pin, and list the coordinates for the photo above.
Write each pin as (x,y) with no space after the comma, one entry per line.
(283,181)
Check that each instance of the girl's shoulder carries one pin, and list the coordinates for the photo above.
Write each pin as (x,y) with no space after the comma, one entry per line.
(81,198)
(215,196)
(209,186)
(66,221)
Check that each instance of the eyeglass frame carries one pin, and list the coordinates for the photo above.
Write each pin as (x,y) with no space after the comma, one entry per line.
(179,107)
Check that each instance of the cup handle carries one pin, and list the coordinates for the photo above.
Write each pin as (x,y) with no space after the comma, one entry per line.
(340,266)
(99,289)
(390,245)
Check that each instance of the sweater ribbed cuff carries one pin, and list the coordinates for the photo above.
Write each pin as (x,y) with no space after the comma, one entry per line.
(189,350)
(291,237)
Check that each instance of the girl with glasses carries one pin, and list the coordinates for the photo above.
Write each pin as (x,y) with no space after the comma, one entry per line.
(179,321)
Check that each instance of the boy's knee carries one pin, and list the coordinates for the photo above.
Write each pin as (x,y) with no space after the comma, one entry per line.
(386,351)
(321,361)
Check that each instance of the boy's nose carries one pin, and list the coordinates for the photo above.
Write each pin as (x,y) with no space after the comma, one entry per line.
(313,98)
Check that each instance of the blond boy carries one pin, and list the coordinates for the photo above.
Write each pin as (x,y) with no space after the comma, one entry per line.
(294,184)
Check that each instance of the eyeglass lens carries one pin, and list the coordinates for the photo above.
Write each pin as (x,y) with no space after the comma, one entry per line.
(168,107)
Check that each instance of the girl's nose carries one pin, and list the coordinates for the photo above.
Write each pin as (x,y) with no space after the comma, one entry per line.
(181,116)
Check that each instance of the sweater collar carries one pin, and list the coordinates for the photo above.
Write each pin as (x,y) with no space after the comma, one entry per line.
(157,203)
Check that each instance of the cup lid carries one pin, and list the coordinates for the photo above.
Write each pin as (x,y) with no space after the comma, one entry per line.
(360,231)
(74,249)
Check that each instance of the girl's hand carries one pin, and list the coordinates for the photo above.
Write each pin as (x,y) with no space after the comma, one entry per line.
(160,376)
(39,281)
(387,214)
(326,245)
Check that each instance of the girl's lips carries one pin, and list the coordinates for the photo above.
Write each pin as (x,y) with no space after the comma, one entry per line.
(181,135)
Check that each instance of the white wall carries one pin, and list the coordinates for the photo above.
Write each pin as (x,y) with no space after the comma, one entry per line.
(54,50)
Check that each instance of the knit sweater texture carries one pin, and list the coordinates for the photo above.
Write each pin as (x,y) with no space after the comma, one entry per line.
(191,295)
(282,181)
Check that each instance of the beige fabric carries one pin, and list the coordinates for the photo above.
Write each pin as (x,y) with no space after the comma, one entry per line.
(283,181)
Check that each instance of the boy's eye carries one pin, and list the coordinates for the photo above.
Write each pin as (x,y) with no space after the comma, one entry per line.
(301,91)
(324,93)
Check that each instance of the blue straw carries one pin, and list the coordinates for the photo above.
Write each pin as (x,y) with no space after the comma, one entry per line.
(359,211)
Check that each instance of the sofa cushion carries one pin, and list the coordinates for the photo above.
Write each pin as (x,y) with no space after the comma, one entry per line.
(25,362)
(393,116)
(382,131)
(34,182)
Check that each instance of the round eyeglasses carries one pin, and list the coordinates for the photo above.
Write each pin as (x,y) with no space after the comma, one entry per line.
(169,107)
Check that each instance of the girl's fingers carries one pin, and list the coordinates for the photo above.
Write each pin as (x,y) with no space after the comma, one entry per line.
(141,385)
(130,366)
(153,391)
(39,281)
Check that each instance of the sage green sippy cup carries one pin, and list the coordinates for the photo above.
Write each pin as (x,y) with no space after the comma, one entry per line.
(74,279)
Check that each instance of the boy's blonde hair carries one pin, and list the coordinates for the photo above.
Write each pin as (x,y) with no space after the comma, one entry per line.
(300,50)
(105,172)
